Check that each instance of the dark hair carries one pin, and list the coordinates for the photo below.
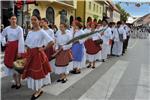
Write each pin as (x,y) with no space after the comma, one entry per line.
(45,20)
(65,25)
(11,16)
(104,20)
(37,16)
(99,21)
(119,23)
(79,25)
(79,19)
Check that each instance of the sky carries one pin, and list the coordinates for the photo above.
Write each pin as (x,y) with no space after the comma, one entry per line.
(133,10)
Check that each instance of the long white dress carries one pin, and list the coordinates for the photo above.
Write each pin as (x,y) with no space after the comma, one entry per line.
(105,46)
(118,45)
(14,34)
(33,40)
(61,40)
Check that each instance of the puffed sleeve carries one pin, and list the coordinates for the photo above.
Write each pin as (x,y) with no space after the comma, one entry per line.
(21,44)
(46,38)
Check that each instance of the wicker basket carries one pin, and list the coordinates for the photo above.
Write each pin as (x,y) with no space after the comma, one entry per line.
(19,65)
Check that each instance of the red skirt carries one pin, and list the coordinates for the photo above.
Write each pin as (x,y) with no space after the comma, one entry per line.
(49,52)
(10,53)
(91,47)
(63,58)
(110,41)
(37,66)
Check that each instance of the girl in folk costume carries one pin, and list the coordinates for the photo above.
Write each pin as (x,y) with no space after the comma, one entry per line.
(51,50)
(92,48)
(106,36)
(118,43)
(77,50)
(64,56)
(14,48)
(37,69)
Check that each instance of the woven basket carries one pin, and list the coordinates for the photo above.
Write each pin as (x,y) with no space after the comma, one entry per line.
(19,65)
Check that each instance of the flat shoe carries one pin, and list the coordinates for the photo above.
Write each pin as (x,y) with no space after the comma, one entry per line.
(18,87)
(93,67)
(64,81)
(59,80)
(33,96)
(13,86)
(88,66)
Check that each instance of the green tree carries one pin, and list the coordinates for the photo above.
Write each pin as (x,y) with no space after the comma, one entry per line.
(123,14)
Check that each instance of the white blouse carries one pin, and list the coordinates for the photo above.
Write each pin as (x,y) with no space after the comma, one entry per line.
(14,34)
(62,39)
(37,39)
(107,35)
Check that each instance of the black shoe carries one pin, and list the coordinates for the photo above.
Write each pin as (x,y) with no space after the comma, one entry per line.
(103,60)
(59,80)
(34,98)
(64,80)
(18,87)
(93,67)
(13,86)
(88,66)
(73,71)
(77,72)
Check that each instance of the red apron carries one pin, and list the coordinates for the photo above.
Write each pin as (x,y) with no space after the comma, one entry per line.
(110,41)
(37,66)
(63,58)
(91,47)
(10,53)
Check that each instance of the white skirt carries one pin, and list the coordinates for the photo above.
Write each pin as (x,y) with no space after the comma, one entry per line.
(52,64)
(77,64)
(38,84)
(94,57)
(60,70)
(105,48)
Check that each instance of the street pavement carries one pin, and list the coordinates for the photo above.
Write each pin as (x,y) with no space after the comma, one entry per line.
(119,78)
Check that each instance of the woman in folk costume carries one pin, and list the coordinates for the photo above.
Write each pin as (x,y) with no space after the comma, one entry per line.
(106,36)
(77,49)
(51,50)
(14,48)
(37,69)
(64,55)
(118,43)
(110,39)
(92,48)
(98,28)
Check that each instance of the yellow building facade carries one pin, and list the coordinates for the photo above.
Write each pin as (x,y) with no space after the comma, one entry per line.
(53,9)
(89,8)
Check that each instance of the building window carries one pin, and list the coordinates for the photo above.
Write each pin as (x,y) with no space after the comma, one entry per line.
(71,20)
(90,5)
(50,15)
(36,12)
